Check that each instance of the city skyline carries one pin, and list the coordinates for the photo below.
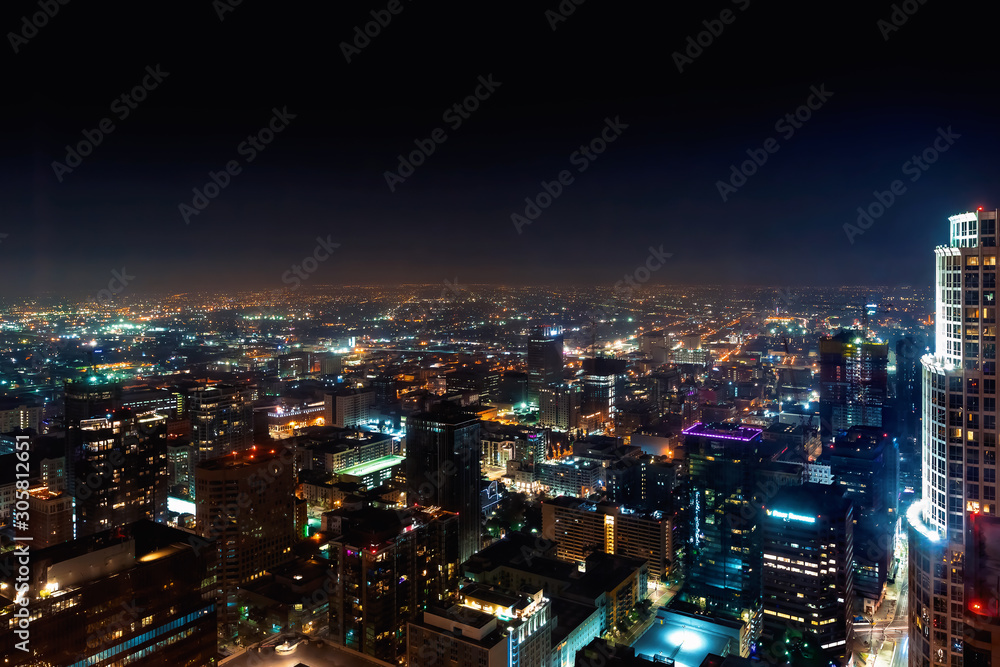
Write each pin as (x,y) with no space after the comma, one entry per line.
(561,335)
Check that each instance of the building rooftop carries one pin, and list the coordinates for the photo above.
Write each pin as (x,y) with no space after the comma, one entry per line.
(378,464)
(724,431)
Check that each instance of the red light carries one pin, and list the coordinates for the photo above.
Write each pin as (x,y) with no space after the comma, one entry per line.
(980,208)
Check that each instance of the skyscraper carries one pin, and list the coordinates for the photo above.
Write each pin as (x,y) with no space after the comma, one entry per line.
(117,470)
(808,574)
(221,421)
(853,382)
(959,438)
(723,558)
(245,503)
(444,467)
(545,359)
(390,566)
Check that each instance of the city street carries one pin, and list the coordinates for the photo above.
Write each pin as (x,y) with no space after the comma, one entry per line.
(889,634)
(663,596)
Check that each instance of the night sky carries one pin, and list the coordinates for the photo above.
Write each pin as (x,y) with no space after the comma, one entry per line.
(324,174)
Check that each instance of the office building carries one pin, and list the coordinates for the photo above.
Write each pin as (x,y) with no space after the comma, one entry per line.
(508,442)
(559,406)
(864,464)
(853,382)
(348,408)
(245,503)
(603,381)
(51,514)
(582,527)
(545,360)
(221,419)
(959,439)
(135,595)
(723,555)
(389,567)
(117,470)
(808,566)
(443,469)
(20,413)
(85,399)
(571,476)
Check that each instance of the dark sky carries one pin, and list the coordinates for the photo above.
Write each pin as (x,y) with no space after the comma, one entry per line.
(324,175)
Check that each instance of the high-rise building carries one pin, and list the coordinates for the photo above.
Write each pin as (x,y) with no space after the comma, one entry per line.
(348,408)
(723,556)
(90,398)
(582,527)
(20,413)
(603,380)
(221,420)
(134,595)
(117,470)
(545,359)
(245,503)
(853,382)
(559,406)
(444,469)
(51,515)
(908,353)
(864,465)
(959,439)
(390,566)
(808,574)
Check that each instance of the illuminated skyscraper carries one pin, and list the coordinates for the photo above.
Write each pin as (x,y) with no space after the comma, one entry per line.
(723,558)
(221,421)
(959,438)
(117,470)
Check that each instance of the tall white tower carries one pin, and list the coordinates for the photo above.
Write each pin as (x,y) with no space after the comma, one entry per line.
(959,438)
